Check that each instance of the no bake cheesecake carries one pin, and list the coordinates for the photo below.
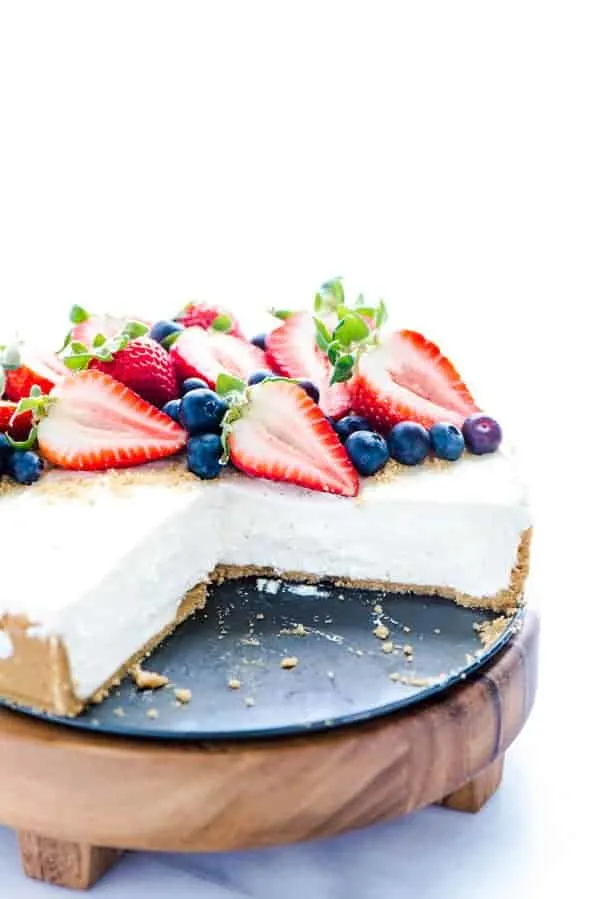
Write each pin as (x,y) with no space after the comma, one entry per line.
(117,514)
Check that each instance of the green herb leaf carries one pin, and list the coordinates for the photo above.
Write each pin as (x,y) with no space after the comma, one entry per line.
(78,315)
(381,314)
(351,329)
(221,323)
(282,314)
(342,369)
(78,348)
(65,343)
(36,390)
(323,334)
(77,363)
(99,339)
(134,329)
(333,351)
(228,384)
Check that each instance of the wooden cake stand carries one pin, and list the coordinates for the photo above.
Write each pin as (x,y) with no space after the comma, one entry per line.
(77,800)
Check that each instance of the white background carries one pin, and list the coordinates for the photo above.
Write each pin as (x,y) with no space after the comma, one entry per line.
(443,155)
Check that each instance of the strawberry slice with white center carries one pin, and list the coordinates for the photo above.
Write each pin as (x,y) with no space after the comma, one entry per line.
(408,378)
(94,423)
(36,368)
(281,435)
(207,354)
(292,351)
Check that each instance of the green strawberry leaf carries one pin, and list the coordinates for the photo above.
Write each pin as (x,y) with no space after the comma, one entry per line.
(99,339)
(381,314)
(351,329)
(134,329)
(282,314)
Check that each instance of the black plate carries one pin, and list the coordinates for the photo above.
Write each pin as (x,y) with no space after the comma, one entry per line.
(342,675)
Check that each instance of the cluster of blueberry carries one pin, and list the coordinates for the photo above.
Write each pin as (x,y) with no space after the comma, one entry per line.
(200,411)
(410,443)
(23,466)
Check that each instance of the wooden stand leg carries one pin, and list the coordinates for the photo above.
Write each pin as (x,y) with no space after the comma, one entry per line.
(74,865)
(474,795)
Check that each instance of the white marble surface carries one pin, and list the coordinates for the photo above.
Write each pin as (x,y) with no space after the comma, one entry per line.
(443,155)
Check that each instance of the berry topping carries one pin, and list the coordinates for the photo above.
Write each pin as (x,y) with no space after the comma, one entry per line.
(207,354)
(257,376)
(368,452)
(25,367)
(145,367)
(208,315)
(24,467)
(407,377)
(447,441)
(349,424)
(173,410)
(292,351)
(260,340)
(204,455)
(202,411)
(280,434)
(193,384)
(94,422)
(91,329)
(18,426)
(482,434)
(409,443)
(164,332)
(312,389)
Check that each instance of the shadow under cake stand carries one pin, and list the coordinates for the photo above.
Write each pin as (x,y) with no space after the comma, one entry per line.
(77,800)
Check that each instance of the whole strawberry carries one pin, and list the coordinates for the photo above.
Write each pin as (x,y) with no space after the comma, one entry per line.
(145,367)
(209,315)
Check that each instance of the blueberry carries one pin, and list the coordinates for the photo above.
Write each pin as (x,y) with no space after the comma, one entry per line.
(447,441)
(312,390)
(172,409)
(24,467)
(482,434)
(260,340)
(408,442)
(193,384)
(6,452)
(257,376)
(203,455)
(349,424)
(163,329)
(368,451)
(202,411)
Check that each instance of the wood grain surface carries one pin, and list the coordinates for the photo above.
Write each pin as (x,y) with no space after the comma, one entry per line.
(106,792)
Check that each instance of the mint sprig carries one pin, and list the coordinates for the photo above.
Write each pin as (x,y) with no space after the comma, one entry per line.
(355,332)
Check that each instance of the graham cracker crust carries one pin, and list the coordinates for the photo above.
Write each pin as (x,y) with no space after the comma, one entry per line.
(37,674)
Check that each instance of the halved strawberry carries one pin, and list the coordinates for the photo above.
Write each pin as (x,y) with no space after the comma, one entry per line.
(37,367)
(282,435)
(203,315)
(145,367)
(292,351)
(207,354)
(95,423)
(20,427)
(407,377)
